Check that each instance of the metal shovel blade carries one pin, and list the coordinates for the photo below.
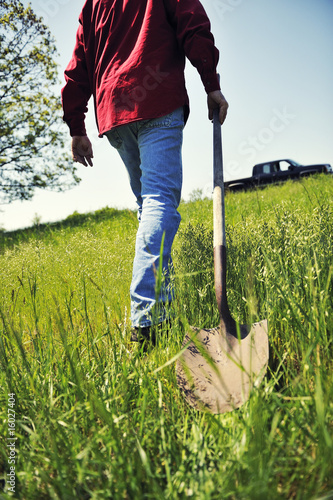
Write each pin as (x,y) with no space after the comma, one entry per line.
(217,371)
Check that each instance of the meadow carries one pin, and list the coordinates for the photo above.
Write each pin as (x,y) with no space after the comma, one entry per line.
(94,417)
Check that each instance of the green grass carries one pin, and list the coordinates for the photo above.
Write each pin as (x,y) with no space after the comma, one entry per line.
(96,418)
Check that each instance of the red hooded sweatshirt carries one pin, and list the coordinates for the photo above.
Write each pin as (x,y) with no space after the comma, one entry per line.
(130,55)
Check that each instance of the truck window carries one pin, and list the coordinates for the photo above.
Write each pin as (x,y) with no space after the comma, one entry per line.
(284,165)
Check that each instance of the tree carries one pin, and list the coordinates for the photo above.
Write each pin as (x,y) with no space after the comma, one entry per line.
(32,133)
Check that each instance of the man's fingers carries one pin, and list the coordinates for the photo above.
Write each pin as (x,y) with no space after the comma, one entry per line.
(83,159)
(79,159)
(223,112)
(89,160)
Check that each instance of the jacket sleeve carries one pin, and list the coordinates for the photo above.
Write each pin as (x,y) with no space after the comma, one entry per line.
(77,90)
(189,19)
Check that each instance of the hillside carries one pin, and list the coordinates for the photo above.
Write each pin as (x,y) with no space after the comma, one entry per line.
(96,418)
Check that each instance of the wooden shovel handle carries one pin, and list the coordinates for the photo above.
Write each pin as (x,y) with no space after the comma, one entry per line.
(218,196)
(220,251)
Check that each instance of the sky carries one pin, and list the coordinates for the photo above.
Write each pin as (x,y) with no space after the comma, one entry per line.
(276,67)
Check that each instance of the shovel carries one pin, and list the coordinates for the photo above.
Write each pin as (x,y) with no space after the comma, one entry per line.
(219,367)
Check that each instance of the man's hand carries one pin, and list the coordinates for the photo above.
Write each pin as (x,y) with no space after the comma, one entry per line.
(82,150)
(215,100)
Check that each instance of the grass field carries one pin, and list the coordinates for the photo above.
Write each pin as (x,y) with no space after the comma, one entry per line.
(95,418)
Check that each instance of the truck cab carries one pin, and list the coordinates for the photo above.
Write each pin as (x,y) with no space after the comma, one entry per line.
(277,168)
(277,171)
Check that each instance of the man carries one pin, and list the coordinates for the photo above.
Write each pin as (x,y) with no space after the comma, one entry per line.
(130,55)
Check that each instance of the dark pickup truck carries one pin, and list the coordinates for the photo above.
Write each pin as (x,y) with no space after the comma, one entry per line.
(276,171)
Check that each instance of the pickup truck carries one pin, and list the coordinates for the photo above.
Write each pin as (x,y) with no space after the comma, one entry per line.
(276,171)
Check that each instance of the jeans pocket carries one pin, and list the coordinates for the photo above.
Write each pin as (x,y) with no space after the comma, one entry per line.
(174,118)
(162,121)
(114,138)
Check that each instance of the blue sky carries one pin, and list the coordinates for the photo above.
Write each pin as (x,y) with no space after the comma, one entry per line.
(276,66)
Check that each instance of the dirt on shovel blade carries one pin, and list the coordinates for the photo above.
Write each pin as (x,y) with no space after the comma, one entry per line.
(217,371)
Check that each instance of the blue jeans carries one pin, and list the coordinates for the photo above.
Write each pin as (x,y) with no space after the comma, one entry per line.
(151,152)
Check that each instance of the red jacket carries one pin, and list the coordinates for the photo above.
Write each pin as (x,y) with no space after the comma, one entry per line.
(130,55)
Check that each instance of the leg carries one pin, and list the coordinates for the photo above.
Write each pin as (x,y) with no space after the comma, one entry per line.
(160,143)
(155,168)
(124,139)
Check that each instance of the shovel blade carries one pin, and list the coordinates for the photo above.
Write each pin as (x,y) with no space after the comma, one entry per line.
(217,371)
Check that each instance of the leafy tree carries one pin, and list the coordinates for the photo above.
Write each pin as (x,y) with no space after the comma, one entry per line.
(32,133)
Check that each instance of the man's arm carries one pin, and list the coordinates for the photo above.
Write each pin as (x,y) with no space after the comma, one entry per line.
(193,32)
(75,96)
